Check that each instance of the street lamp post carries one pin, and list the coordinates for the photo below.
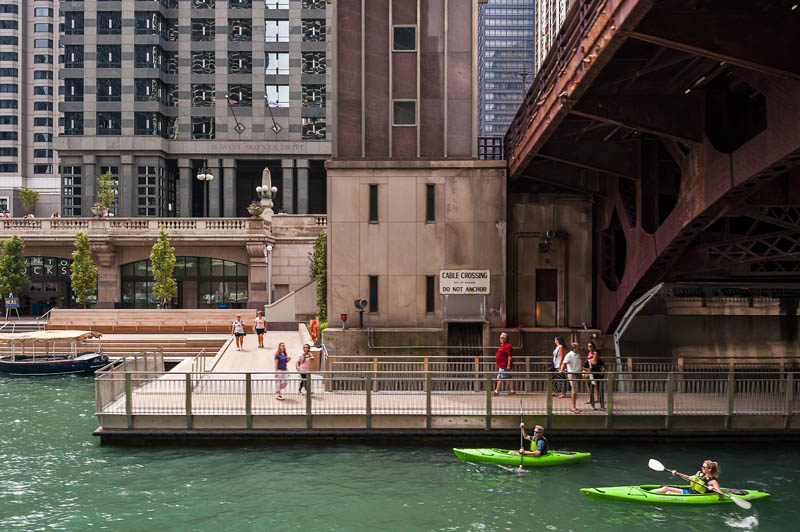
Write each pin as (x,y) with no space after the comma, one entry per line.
(205,175)
(268,258)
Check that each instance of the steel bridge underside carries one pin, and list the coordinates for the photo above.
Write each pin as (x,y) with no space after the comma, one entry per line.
(681,118)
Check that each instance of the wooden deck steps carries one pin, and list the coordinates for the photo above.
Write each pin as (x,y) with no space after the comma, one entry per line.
(157,321)
(171,347)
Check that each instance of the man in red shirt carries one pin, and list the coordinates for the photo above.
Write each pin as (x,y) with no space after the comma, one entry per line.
(503,360)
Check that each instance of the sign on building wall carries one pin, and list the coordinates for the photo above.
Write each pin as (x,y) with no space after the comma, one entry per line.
(472,282)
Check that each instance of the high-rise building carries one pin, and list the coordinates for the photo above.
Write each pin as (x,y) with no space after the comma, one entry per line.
(153,91)
(505,61)
(550,15)
(28,77)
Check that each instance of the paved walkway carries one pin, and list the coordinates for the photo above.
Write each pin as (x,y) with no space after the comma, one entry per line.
(254,359)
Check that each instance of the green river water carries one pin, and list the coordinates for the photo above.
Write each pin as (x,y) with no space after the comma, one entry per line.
(56,476)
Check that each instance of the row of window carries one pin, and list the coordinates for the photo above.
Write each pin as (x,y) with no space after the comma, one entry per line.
(109,123)
(430,294)
(13,152)
(37,11)
(430,203)
(202,29)
(203,62)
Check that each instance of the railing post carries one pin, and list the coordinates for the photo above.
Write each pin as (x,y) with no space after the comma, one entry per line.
(427,397)
(670,399)
(368,405)
(248,399)
(789,399)
(128,400)
(309,423)
(632,383)
(528,383)
(477,364)
(731,393)
(188,400)
(610,400)
(375,373)
(489,402)
(549,400)
(681,362)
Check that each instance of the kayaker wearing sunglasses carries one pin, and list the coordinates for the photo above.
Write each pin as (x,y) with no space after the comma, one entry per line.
(537,439)
(703,481)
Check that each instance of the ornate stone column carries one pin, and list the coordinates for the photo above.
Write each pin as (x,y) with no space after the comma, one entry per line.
(108,275)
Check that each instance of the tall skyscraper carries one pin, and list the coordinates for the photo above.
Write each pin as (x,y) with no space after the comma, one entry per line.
(154,91)
(505,63)
(28,77)
(550,15)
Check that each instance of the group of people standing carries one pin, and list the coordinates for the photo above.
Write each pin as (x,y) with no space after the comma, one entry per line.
(282,358)
(568,367)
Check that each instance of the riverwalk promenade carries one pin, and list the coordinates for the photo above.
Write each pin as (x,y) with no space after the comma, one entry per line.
(233,395)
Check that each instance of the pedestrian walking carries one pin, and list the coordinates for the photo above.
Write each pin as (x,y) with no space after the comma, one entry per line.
(571,365)
(237,330)
(260,326)
(303,366)
(281,362)
(503,362)
(559,380)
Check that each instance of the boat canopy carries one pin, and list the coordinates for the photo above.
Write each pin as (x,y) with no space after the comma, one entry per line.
(46,336)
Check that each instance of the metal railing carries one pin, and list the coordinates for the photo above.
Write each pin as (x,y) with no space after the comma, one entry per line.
(129,390)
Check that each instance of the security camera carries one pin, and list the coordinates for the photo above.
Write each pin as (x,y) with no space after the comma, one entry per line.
(549,234)
(360,304)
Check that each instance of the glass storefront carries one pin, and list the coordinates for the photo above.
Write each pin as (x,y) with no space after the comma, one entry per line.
(202,283)
(50,285)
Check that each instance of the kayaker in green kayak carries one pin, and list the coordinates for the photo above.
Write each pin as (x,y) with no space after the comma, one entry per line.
(701,482)
(538,441)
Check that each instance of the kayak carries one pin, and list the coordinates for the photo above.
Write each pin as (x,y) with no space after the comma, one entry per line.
(503,456)
(643,494)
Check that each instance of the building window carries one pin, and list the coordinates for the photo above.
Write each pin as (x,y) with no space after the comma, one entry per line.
(42,12)
(9,39)
(42,106)
(203,4)
(314,128)
(9,8)
(43,59)
(9,120)
(7,168)
(240,95)
(9,88)
(404,39)
(9,56)
(147,90)
(148,124)
(203,95)
(8,135)
(313,95)
(109,123)
(9,152)
(430,294)
(203,127)
(71,191)
(373,293)
(10,104)
(43,90)
(203,62)
(42,154)
(203,29)
(313,62)
(313,30)
(373,203)
(240,30)
(148,23)
(313,4)
(276,30)
(240,62)
(73,89)
(73,123)
(276,4)
(43,121)
(404,113)
(147,191)
(277,95)
(430,203)
(43,43)
(42,168)
(109,22)
(277,63)
(73,23)
(10,25)
(110,55)
(39,137)
(42,74)
(109,90)
(42,27)
(240,4)
(73,56)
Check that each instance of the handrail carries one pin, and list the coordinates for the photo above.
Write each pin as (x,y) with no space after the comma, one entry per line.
(43,316)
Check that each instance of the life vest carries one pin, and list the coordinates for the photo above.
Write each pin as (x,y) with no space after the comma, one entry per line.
(699,482)
(313,330)
(536,439)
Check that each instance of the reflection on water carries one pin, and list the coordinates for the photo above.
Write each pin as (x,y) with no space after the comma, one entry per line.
(55,475)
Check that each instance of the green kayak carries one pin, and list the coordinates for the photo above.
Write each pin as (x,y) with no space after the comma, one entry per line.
(643,494)
(503,456)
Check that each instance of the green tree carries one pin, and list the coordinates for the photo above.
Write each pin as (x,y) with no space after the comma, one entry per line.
(29,199)
(318,268)
(12,267)
(83,271)
(163,259)
(106,191)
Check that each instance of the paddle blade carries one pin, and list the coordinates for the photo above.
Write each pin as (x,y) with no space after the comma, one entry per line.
(655,465)
(741,503)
